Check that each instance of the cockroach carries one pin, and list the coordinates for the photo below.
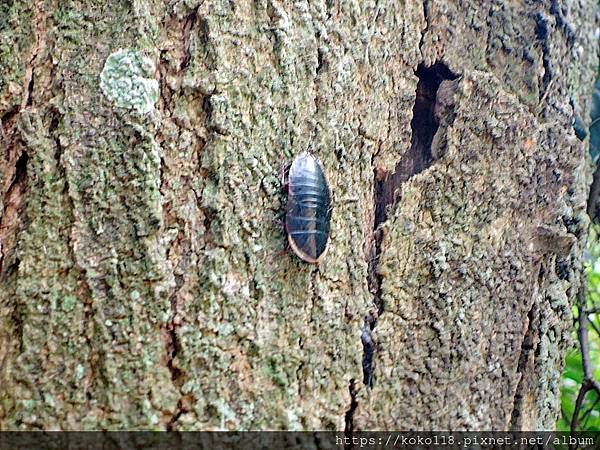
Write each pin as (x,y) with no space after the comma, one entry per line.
(308,211)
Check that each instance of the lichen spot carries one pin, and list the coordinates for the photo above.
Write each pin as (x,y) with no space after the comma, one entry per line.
(128,80)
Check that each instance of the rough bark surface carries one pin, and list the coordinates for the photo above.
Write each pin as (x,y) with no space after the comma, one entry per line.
(141,284)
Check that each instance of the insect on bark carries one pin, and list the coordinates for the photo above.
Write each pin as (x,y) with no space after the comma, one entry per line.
(308,210)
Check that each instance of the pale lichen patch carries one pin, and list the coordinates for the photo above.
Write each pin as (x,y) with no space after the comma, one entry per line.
(127,79)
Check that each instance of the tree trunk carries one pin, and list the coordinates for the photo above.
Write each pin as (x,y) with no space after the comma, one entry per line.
(142,284)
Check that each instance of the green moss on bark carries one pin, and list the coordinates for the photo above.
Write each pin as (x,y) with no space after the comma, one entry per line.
(160,298)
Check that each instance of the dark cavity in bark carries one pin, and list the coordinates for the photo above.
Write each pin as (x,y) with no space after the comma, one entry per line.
(424,125)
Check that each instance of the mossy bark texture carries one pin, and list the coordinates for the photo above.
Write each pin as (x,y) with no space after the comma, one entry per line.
(141,280)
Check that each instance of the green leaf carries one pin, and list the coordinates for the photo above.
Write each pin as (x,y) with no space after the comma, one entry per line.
(573,369)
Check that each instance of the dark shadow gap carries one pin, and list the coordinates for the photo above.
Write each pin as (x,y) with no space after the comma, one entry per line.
(424,125)
(349,418)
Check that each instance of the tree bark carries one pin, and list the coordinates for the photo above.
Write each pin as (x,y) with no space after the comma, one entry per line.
(141,284)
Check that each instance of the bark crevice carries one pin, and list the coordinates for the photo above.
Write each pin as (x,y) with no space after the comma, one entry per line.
(424,126)
(178,413)
(366,338)
(188,26)
(528,346)
(426,17)
(7,125)
(188,322)
(172,344)
(13,203)
(349,418)
(300,367)
(542,34)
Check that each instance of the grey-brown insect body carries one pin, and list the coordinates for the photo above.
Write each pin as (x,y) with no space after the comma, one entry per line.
(308,211)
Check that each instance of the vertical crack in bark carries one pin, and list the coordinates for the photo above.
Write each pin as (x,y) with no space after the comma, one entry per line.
(13,201)
(20,173)
(188,26)
(528,345)
(175,62)
(13,198)
(7,128)
(173,346)
(368,349)
(424,125)
(424,31)
(13,204)
(349,418)
(178,413)
(419,157)
(300,367)
(29,98)
(40,43)
(542,34)
(170,328)
(12,189)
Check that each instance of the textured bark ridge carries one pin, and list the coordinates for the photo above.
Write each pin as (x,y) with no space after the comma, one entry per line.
(141,284)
